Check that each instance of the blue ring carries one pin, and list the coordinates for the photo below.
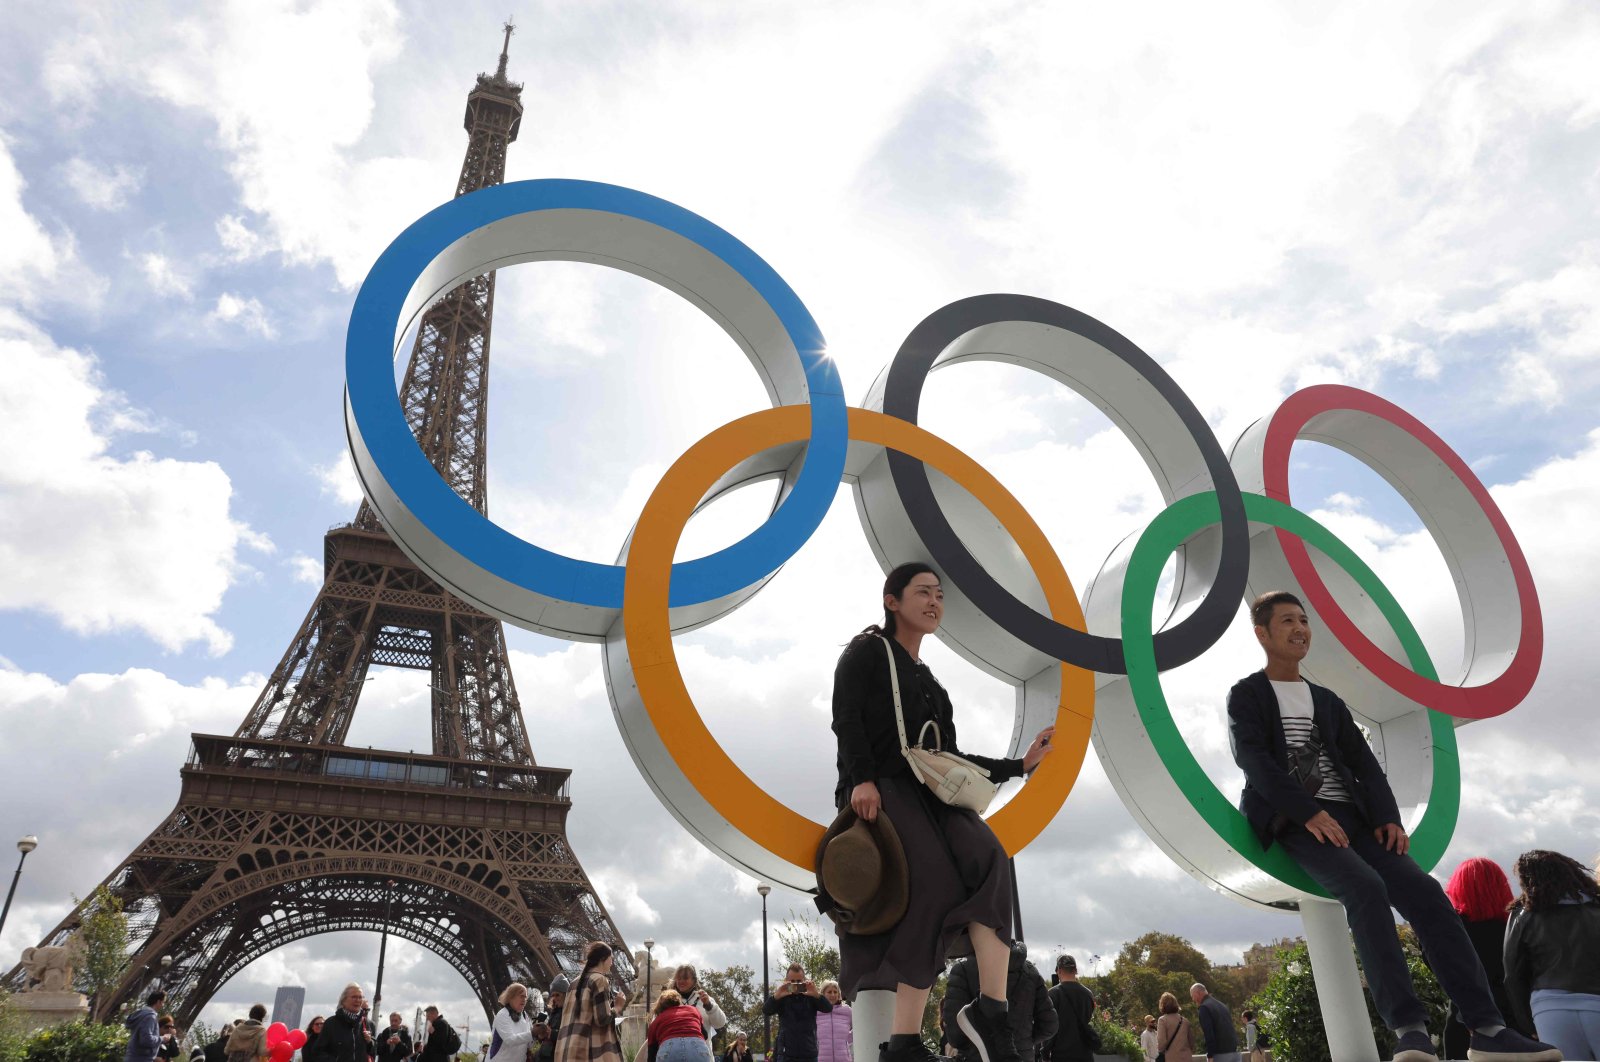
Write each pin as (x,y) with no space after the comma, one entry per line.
(375,403)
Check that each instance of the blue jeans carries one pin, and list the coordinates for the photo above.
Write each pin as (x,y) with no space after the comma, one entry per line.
(1368,879)
(684,1049)
(1573,1027)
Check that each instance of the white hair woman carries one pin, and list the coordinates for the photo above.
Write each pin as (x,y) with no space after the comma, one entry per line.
(347,1035)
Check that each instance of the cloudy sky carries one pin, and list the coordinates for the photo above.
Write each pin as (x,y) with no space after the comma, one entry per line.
(1394,196)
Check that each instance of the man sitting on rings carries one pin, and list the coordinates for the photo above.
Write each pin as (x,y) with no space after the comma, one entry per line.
(1313,785)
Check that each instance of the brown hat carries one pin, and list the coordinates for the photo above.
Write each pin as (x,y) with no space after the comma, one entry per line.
(863,883)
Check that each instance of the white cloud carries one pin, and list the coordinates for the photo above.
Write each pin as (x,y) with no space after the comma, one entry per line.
(290,139)
(98,187)
(238,239)
(164,276)
(28,255)
(120,738)
(338,479)
(244,312)
(304,569)
(102,542)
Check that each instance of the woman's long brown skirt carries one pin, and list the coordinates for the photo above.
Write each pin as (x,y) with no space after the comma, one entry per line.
(959,874)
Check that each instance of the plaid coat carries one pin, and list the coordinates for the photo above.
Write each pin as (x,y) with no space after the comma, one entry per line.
(588,1026)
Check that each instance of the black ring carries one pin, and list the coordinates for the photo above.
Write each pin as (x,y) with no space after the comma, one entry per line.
(902,394)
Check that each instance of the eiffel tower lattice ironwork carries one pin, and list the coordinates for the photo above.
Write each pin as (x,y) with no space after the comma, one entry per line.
(283,832)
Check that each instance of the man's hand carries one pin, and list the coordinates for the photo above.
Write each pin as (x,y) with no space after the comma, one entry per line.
(1037,751)
(865,801)
(1325,828)
(1393,837)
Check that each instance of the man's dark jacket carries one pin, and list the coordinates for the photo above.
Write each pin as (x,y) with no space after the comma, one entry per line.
(797,1023)
(1030,1015)
(342,1041)
(217,1050)
(1074,1007)
(1255,730)
(400,1051)
(440,1034)
(1216,1025)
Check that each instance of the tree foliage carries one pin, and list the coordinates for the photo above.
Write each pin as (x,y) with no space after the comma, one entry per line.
(803,940)
(738,991)
(1155,963)
(1287,1007)
(77,1042)
(1117,1039)
(103,931)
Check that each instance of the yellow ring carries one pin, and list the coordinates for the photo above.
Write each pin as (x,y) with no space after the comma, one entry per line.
(746,806)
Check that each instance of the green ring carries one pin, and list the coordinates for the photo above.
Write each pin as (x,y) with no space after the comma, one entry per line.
(1165,534)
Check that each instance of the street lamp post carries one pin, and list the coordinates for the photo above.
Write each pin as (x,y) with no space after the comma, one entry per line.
(383,944)
(766,967)
(649,954)
(26,845)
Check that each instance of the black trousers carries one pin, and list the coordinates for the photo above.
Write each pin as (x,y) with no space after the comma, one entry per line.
(1369,879)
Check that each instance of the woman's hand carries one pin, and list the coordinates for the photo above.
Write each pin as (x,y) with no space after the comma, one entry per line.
(865,801)
(1037,751)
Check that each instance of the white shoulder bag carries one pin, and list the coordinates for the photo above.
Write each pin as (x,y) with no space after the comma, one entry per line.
(955,781)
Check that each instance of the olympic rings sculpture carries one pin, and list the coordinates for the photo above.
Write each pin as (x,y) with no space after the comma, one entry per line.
(1092,669)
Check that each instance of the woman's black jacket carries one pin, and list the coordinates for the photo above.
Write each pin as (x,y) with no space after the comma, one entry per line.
(341,1041)
(863,716)
(1552,947)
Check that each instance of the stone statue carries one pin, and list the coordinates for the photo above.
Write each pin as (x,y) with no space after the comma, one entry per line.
(49,968)
(660,979)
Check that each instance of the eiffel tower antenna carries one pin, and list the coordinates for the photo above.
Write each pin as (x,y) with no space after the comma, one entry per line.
(505,49)
(282,831)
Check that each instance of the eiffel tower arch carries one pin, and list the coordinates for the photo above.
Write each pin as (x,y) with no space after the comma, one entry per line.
(282,831)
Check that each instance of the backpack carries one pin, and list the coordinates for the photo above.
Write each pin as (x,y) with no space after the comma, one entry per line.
(1263,1038)
(450,1040)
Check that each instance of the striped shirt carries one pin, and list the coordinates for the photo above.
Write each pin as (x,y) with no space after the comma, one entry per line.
(1294,706)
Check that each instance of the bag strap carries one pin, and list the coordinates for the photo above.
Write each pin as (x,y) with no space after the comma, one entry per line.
(899,712)
(1174,1035)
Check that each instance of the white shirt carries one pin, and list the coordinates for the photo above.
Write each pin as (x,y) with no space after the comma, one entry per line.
(1294,707)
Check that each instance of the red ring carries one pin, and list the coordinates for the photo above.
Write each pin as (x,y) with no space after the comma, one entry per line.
(1467,702)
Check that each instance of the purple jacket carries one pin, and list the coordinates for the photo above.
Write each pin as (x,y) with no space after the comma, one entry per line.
(833,1035)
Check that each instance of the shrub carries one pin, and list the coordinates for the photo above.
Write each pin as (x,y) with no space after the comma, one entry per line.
(77,1041)
(1117,1040)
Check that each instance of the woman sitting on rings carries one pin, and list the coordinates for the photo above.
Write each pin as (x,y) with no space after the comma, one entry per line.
(960,880)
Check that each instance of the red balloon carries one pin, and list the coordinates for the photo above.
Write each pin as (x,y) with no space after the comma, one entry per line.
(277,1033)
(282,1051)
(297,1038)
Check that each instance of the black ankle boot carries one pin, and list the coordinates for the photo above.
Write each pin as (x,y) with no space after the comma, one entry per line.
(992,1040)
(915,1051)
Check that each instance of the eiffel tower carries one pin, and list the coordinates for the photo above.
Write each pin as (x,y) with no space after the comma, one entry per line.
(282,831)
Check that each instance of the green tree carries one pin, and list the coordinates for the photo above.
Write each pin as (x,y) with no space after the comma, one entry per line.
(1289,1011)
(803,940)
(13,1039)
(1152,964)
(103,931)
(738,992)
(198,1034)
(930,1015)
